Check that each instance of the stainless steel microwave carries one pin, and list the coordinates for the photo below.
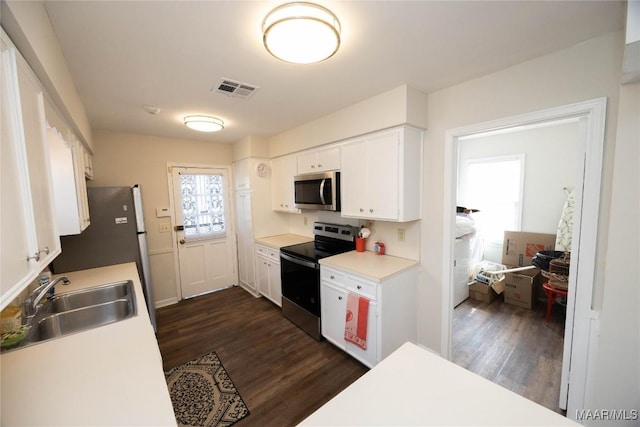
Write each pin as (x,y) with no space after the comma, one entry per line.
(317,191)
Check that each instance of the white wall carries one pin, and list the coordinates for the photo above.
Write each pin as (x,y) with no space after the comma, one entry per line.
(587,71)
(616,368)
(557,79)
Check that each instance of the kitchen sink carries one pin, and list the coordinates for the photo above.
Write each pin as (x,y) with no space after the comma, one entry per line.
(80,319)
(92,296)
(81,310)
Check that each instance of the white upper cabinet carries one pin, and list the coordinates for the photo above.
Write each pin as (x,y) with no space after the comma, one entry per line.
(30,239)
(241,177)
(69,185)
(381,175)
(323,160)
(88,162)
(283,169)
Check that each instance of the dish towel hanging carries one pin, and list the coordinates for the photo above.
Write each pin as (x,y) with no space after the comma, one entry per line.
(355,329)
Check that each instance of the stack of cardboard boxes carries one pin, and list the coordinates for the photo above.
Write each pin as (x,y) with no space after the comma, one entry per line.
(519,288)
(522,287)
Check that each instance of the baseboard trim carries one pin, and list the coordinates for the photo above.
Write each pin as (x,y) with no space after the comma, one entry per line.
(165,302)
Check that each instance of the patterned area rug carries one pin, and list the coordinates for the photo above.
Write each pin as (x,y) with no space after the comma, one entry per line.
(203,395)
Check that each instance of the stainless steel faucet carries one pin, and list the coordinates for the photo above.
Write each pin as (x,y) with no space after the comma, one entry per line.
(32,301)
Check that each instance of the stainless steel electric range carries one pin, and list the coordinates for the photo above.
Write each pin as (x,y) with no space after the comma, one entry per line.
(300,273)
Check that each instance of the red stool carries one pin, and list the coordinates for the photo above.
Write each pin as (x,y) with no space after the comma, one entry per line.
(552,294)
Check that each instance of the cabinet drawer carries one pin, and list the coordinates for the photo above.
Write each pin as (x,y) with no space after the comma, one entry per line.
(268,252)
(361,287)
(349,283)
(332,276)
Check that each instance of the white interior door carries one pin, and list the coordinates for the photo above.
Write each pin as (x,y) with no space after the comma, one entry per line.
(203,230)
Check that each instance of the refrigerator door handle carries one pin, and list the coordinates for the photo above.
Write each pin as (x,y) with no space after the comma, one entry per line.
(178,228)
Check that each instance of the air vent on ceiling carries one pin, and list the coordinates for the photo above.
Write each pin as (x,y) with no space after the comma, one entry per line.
(235,89)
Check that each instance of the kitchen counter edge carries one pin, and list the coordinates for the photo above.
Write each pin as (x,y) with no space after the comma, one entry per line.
(93,377)
(369,265)
(281,240)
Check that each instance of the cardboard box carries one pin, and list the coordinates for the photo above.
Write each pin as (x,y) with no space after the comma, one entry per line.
(519,247)
(482,292)
(522,287)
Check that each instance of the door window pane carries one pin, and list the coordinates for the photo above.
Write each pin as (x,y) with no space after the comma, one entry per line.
(202,205)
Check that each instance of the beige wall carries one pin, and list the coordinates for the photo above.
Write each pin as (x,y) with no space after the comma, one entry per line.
(251,146)
(402,105)
(127,159)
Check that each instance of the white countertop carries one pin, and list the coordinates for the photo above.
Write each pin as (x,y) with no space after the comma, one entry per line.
(369,264)
(111,375)
(414,386)
(282,240)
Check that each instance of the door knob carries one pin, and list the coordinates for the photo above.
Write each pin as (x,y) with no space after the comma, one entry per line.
(182,241)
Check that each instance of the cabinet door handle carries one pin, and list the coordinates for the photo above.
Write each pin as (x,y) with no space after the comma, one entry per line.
(359,287)
(36,257)
(319,165)
(340,298)
(332,276)
(371,210)
(45,250)
(361,210)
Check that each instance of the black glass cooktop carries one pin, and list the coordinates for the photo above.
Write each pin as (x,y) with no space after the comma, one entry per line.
(329,239)
(318,249)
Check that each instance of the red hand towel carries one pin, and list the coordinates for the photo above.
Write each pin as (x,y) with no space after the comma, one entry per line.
(355,329)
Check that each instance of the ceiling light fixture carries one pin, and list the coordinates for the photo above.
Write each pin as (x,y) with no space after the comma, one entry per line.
(301,33)
(204,123)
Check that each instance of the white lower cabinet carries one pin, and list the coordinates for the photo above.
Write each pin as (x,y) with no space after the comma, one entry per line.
(268,273)
(392,316)
(334,308)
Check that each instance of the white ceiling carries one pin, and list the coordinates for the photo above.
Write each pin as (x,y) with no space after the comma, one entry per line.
(124,55)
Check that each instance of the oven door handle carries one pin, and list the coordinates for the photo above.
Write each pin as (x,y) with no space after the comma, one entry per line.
(322,191)
(299,261)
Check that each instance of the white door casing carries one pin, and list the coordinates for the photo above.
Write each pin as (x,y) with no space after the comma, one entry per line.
(204,239)
(581,320)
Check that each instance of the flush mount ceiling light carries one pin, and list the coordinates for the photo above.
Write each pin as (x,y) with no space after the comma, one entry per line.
(301,33)
(204,123)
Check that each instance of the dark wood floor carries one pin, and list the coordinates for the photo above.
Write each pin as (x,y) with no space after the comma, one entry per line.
(512,347)
(281,372)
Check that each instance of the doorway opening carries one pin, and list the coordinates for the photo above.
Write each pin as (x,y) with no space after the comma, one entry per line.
(578,337)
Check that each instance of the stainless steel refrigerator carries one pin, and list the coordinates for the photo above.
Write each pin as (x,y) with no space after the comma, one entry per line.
(115,235)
